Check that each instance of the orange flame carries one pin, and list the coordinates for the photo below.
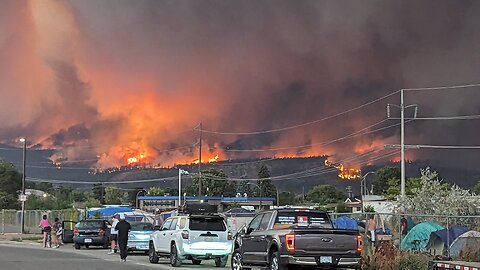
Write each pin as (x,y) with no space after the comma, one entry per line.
(210,160)
(343,173)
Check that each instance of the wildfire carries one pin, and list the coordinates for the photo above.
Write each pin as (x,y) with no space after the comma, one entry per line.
(210,160)
(343,173)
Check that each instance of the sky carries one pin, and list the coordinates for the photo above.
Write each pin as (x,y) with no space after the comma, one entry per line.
(123,82)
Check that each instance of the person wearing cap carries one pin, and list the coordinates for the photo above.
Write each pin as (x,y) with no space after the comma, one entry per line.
(114,234)
(123,227)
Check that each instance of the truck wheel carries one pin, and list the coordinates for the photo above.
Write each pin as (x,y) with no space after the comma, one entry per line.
(237,260)
(275,262)
(77,246)
(221,261)
(196,262)
(152,254)
(174,261)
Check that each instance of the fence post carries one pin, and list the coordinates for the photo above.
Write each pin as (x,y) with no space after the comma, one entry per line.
(448,237)
(3,221)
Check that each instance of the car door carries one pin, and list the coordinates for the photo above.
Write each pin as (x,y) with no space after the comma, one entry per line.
(161,237)
(260,246)
(248,239)
(67,235)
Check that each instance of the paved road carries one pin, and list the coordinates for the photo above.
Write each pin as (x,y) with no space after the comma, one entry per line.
(34,257)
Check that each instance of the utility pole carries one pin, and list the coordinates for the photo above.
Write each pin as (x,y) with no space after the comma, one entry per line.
(200,163)
(23,197)
(402,145)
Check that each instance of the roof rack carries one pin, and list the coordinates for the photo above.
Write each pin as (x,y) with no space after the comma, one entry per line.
(199,209)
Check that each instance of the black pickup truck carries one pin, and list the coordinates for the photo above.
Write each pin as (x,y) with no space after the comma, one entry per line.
(281,238)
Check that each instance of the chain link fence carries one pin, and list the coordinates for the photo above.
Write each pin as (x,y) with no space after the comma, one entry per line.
(436,235)
(11,219)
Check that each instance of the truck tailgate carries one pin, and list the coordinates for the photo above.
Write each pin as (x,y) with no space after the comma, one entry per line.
(318,241)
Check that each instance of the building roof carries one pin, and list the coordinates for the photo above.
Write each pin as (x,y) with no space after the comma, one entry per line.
(205,198)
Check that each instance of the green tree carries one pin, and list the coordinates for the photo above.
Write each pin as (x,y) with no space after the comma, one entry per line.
(325,194)
(476,189)
(114,195)
(342,208)
(244,187)
(99,192)
(10,185)
(267,188)
(383,177)
(214,183)
(155,191)
(394,189)
(92,202)
(287,198)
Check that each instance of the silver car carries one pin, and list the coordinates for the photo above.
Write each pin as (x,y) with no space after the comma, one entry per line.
(193,237)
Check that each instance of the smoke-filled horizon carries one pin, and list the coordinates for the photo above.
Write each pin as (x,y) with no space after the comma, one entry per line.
(127,81)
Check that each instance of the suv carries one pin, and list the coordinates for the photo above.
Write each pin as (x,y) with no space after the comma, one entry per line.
(91,232)
(193,237)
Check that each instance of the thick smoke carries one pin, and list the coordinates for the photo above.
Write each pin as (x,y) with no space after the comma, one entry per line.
(119,79)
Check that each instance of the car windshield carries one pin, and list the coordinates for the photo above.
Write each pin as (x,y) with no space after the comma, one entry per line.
(90,224)
(303,219)
(207,224)
(142,227)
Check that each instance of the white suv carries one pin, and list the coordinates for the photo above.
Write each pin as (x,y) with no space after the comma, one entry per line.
(193,237)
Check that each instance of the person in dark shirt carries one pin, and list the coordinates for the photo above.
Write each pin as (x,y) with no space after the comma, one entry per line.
(123,227)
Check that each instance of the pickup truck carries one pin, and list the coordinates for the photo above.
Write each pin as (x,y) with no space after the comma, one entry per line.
(281,238)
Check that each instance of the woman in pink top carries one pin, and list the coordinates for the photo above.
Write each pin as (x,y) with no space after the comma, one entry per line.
(46,229)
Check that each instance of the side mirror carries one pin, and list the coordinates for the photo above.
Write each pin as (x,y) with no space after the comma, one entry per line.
(157,228)
(249,231)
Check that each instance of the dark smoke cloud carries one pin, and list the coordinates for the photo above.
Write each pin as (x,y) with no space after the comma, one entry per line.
(255,65)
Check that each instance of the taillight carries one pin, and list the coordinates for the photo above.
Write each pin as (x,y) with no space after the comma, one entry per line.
(230,236)
(185,234)
(75,232)
(101,232)
(359,244)
(290,242)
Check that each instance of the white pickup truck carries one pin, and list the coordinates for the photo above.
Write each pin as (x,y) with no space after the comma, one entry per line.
(192,237)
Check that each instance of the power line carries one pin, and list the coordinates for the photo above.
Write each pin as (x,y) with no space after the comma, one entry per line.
(443,87)
(459,117)
(444,146)
(58,181)
(299,125)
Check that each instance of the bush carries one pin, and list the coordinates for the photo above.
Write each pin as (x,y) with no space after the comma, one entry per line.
(387,257)
(408,261)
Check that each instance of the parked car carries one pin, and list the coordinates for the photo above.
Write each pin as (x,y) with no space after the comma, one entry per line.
(91,232)
(139,236)
(193,237)
(281,238)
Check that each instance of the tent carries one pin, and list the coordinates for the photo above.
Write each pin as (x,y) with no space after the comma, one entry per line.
(440,240)
(417,238)
(468,240)
(345,223)
(107,212)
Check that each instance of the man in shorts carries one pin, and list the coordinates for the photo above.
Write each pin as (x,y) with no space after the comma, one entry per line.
(114,234)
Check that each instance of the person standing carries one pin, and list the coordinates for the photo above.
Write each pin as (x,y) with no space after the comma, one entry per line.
(371,227)
(123,227)
(57,232)
(114,234)
(46,229)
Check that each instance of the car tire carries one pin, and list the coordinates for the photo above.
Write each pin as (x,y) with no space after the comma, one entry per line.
(196,262)
(237,260)
(275,262)
(152,254)
(221,261)
(174,260)
(87,246)
(77,246)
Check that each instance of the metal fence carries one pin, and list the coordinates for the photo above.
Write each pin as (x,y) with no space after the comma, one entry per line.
(434,245)
(11,219)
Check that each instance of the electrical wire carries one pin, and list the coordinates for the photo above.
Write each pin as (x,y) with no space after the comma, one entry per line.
(299,125)
(442,87)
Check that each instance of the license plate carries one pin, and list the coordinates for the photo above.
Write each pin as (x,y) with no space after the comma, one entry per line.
(88,240)
(142,247)
(208,239)
(325,259)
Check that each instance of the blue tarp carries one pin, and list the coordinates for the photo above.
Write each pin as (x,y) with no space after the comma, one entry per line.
(453,233)
(345,223)
(108,211)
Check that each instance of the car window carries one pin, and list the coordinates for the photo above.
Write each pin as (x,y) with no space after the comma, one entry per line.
(289,219)
(87,224)
(207,224)
(166,224)
(255,222)
(142,227)
(265,221)
(174,224)
(182,223)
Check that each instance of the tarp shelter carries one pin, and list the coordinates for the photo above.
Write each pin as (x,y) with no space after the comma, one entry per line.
(440,240)
(345,223)
(107,212)
(417,238)
(466,241)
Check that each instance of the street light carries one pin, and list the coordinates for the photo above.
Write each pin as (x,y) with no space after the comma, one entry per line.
(180,172)
(363,188)
(136,197)
(23,197)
